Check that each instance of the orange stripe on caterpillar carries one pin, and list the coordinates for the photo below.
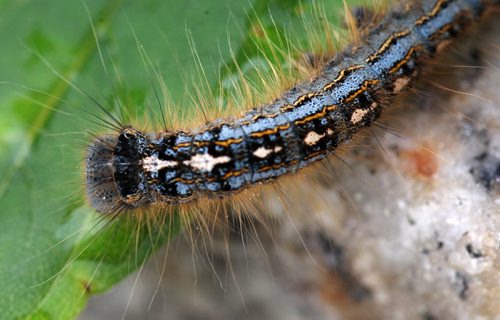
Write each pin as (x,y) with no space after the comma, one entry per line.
(227,156)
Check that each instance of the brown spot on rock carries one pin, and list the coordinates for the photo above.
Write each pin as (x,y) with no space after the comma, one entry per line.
(421,162)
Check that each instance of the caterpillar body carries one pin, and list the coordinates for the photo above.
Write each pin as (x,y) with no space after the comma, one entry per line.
(133,169)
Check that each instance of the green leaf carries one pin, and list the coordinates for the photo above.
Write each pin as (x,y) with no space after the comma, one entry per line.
(54,250)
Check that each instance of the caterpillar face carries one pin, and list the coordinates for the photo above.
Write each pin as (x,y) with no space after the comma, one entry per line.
(115,179)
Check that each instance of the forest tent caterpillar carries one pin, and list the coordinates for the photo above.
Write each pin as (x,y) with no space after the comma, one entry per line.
(133,169)
(60,253)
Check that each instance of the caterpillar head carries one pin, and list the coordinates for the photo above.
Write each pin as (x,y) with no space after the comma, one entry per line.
(114,179)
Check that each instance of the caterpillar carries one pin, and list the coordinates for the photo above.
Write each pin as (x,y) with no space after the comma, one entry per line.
(64,239)
(133,169)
